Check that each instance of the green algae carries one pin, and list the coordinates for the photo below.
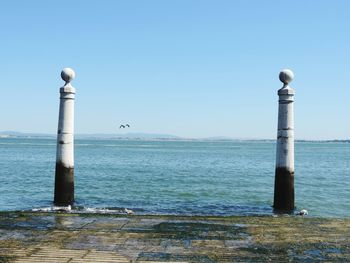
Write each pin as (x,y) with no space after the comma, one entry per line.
(161,256)
(6,259)
(196,230)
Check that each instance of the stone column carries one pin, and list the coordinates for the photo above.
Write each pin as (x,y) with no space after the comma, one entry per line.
(64,175)
(284,174)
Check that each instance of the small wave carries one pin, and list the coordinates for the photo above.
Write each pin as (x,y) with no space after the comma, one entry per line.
(53,209)
(118,145)
(94,210)
(82,210)
(186,210)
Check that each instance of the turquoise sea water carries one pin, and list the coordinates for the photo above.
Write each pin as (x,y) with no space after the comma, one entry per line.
(175,177)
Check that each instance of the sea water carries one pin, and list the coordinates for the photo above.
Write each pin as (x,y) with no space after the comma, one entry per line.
(175,177)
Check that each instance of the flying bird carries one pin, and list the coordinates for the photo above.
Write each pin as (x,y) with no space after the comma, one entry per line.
(127,125)
(121,126)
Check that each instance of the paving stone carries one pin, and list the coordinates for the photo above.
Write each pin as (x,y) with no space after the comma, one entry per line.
(113,238)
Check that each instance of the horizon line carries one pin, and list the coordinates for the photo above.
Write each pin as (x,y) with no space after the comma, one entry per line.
(151,135)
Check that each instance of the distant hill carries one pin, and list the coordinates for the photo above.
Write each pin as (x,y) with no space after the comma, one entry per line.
(135,136)
(14,134)
(142,136)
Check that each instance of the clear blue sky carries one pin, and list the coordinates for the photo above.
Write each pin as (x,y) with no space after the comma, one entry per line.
(188,68)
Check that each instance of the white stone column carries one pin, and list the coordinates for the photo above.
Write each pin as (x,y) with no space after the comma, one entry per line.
(64,175)
(284,174)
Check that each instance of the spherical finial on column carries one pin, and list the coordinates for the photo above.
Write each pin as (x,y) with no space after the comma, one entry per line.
(286,76)
(67,75)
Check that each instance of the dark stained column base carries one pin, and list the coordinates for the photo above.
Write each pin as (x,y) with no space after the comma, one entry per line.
(64,185)
(284,191)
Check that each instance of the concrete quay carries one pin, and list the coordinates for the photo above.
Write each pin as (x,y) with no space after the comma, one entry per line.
(64,237)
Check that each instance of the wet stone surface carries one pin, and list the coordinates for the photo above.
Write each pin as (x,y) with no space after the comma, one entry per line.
(50,237)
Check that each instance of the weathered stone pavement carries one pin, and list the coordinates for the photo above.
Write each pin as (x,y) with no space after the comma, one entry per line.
(48,237)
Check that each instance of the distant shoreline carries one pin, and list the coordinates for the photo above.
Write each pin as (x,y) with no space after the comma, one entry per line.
(150,137)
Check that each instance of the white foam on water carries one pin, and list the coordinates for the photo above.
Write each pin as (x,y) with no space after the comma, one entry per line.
(53,209)
(87,210)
